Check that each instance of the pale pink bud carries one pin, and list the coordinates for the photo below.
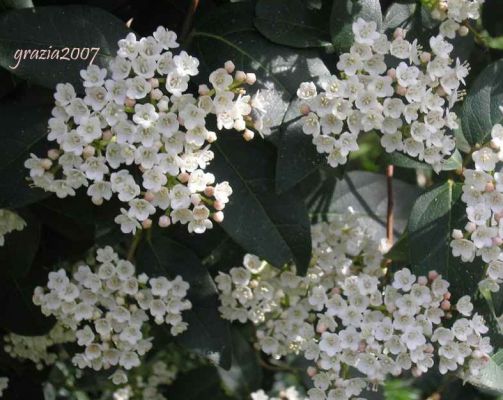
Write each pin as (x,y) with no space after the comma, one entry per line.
(248,135)
(129,102)
(497,241)
(46,164)
(88,152)
(445,305)
(218,205)
(183,177)
(489,187)
(203,90)
(425,57)
(311,371)
(218,216)
(447,295)
(457,234)
(154,82)
(211,136)
(195,199)
(251,78)
(240,125)
(53,154)
(229,66)
(149,196)
(209,191)
(391,73)
(398,33)
(400,90)
(164,221)
(416,372)
(97,201)
(146,224)
(362,346)
(432,275)
(305,109)
(441,92)
(107,134)
(463,30)
(240,76)
(470,227)
(320,328)
(156,94)
(422,280)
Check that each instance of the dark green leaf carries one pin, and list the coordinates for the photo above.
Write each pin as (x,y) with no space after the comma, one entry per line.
(56,28)
(274,227)
(480,110)
(293,23)
(198,384)
(208,333)
(454,162)
(433,217)
(245,374)
(344,13)
(23,132)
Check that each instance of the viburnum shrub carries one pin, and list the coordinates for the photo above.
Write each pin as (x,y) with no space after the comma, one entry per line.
(355,149)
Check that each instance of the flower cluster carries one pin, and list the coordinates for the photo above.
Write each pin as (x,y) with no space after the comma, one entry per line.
(159,373)
(9,221)
(453,14)
(341,315)
(483,195)
(409,103)
(109,309)
(137,134)
(37,349)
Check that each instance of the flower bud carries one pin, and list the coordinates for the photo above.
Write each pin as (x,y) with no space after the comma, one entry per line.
(447,295)
(400,90)
(391,73)
(218,216)
(149,196)
(305,109)
(489,187)
(311,371)
(209,191)
(154,82)
(251,78)
(240,76)
(88,152)
(218,205)
(164,221)
(425,57)
(195,199)
(203,90)
(129,102)
(183,177)
(497,241)
(398,33)
(445,305)
(229,66)
(46,164)
(107,135)
(248,135)
(211,136)
(156,94)
(422,280)
(97,201)
(457,234)
(239,124)
(432,275)
(470,227)
(146,224)
(463,30)
(53,154)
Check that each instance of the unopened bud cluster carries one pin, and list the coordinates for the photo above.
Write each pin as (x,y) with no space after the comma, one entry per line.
(9,222)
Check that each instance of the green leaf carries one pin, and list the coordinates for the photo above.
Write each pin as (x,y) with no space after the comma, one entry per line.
(56,28)
(491,377)
(274,227)
(20,248)
(245,374)
(208,333)
(344,13)
(480,111)
(454,162)
(200,383)
(297,156)
(293,23)
(366,193)
(23,131)
(229,30)
(433,217)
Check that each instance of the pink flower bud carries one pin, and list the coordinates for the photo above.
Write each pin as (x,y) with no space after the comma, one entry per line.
(107,134)
(240,76)
(432,275)
(311,371)
(211,136)
(209,191)
(149,196)
(203,90)
(445,305)
(129,102)
(362,346)
(425,57)
(229,66)
(218,205)
(248,135)
(183,177)
(195,199)
(146,224)
(53,154)
(457,234)
(422,280)
(154,82)
(218,216)
(391,73)
(447,295)
(156,94)
(400,90)
(251,78)
(240,125)
(88,152)
(46,164)
(305,109)
(463,31)
(497,241)
(320,328)
(164,221)
(489,187)
(398,33)
(470,227)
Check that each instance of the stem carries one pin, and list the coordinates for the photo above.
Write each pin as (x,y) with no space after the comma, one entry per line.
(187,24)
(389,214)
(134,244)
